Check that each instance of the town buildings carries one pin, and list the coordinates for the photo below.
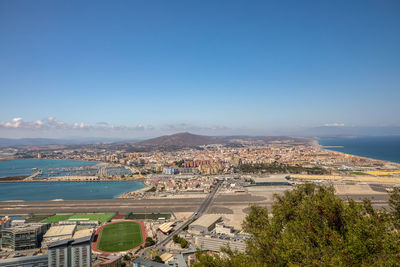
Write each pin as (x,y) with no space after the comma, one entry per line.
(21,237)
(204,224)
(71,253)
(29,261)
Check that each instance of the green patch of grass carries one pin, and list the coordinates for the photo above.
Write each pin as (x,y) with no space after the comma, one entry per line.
(105,217)
(38,217)
(120,237)
(102,217)
(148,216)
(56,218)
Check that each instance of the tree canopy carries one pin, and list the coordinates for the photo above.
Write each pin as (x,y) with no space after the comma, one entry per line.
(310,226)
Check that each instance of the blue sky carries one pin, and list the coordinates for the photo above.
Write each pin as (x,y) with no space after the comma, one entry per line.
(139,68)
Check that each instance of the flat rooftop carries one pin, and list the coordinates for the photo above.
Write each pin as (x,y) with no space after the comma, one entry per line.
(166,227)
(23,228)
(83,233)
(207,220)
(60,230)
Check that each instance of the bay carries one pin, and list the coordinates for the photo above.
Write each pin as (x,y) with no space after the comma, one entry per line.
(32,191)
(376,147)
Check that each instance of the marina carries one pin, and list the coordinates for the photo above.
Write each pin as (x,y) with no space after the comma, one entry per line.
(60,170)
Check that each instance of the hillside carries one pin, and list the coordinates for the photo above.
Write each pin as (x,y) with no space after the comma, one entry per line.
(181,140)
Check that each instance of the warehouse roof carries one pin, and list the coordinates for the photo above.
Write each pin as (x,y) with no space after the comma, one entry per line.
(166,227)
(83,233)
(207,220)
(60,230)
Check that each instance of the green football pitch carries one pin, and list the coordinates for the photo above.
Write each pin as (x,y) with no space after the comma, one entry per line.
(120,237)
(102,217)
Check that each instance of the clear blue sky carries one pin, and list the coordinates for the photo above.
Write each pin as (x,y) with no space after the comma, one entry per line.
(257,65)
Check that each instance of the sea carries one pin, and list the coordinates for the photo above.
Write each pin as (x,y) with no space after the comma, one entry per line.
(31,191)
(376,147)
(21,167)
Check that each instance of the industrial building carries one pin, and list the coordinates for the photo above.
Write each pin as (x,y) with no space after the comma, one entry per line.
(71,253)
(204,224)
(59,232)
(29,261)
(21,237)
(215,244)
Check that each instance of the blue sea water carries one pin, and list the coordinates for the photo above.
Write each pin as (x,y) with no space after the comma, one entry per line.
(32,191)
(377,147)
(20,167)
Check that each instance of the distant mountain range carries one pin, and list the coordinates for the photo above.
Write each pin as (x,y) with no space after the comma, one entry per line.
(191,140)
(181,139)
(178,140)
(10,142)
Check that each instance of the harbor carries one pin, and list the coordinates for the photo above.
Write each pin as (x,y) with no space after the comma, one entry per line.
(56,171)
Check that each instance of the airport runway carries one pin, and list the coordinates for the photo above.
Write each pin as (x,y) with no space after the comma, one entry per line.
(149,205)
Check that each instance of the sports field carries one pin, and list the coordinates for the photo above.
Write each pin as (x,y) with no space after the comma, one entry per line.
(102,217)
(120,236)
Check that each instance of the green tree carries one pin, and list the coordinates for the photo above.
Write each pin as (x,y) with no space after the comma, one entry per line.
(158,259)
(310,226)
(394,203)
(175,238)
(184,243)
(149,242)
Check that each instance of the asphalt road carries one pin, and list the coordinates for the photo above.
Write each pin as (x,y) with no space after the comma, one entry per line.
(201,210)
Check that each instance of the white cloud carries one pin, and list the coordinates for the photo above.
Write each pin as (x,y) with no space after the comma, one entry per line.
(50,126)
(139,127)
(51,123)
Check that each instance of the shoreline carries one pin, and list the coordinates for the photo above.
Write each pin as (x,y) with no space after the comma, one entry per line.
(129,194)
(331,148)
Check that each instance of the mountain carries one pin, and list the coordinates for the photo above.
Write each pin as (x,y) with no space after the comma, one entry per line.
(10,142)
(181,140)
